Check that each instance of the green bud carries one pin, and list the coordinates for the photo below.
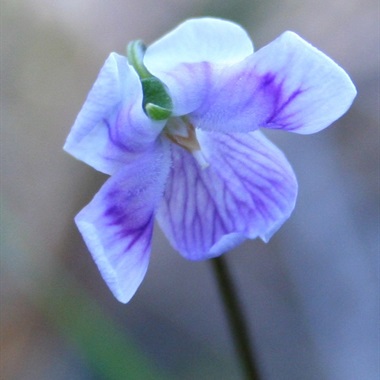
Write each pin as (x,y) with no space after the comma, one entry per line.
(156,98)
(156,112)
(156,101)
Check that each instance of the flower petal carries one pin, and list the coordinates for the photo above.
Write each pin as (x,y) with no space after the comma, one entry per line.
(111,126)
(199,40)
(248,191)
(117,224)
(286,85)
(182,58)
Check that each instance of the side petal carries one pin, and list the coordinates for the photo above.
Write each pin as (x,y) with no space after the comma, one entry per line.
(111,126)
(247,191)
(183,58)
(117,224)
(287,85)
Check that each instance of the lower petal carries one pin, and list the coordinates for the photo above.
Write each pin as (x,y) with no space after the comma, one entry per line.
(117,224)
(247,191)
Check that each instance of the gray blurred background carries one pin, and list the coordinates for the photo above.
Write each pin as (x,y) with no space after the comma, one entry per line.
(311,294)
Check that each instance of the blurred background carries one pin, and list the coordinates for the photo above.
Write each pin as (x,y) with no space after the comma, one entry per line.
(311,294)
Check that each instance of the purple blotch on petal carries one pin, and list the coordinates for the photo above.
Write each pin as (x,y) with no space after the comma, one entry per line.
(117,224)
(287,85)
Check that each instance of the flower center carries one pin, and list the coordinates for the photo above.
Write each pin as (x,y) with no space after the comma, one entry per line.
(158,105)
(182,133)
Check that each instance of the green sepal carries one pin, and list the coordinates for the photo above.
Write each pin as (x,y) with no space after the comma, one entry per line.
(156,112)
(157,102)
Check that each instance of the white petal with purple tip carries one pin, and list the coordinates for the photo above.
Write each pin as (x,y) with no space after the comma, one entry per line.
(117,224)
(247,191)
(287,85)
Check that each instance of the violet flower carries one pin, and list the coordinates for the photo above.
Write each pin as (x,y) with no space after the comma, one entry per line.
(176,128)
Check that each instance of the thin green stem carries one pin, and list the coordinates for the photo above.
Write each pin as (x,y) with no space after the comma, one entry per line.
(135,52)
(238,325)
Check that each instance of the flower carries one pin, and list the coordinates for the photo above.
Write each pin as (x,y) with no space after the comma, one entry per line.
(176,128)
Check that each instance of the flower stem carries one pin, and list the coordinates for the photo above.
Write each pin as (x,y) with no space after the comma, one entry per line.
(238,325)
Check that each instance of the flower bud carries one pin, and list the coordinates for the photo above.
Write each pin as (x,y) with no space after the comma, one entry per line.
(157,103)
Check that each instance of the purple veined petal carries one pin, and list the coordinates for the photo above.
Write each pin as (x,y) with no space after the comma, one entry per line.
(247,191)
(117,224)
(287,85)
(185,58)
(111,127)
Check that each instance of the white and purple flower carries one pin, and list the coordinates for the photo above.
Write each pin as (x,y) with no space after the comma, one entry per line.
(176,128)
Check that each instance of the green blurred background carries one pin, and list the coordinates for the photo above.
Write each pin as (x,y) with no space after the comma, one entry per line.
(311,294)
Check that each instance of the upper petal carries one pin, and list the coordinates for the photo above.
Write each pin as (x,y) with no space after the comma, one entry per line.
(199,40)
(112,126)
(183,58)
(287,85)
(117,224)
(248,191)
